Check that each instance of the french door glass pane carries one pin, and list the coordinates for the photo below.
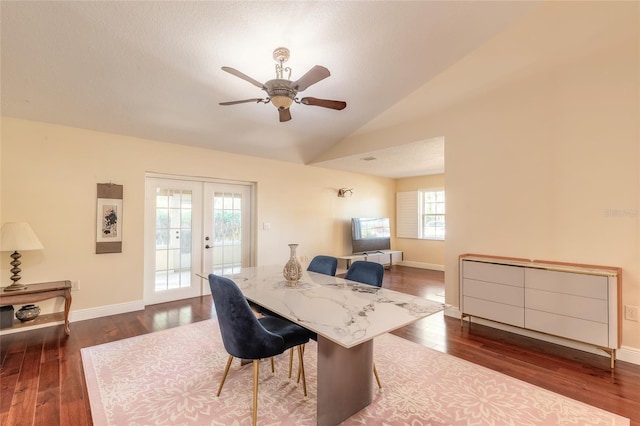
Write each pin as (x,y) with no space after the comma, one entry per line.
(227,226)
(173,239)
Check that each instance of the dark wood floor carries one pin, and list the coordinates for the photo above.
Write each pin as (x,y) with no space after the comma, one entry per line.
(42,383)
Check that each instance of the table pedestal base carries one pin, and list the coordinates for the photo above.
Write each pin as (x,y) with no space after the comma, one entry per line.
(345,380)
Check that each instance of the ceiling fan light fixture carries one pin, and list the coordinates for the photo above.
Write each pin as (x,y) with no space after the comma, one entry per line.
(282,91)
(280,101)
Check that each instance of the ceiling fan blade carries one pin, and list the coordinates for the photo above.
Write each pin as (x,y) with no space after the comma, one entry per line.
(312,76)
(244,101)
(325,103)
(243,76)
(285,114)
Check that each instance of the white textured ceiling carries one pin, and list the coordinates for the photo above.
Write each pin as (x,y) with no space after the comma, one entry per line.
(152,69)
(412,159)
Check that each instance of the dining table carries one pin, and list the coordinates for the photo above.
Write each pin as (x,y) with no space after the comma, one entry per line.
(346,316)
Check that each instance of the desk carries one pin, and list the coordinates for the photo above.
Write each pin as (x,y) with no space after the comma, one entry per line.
(347,316)
(37,293)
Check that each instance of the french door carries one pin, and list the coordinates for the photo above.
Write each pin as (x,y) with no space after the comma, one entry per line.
(193,227)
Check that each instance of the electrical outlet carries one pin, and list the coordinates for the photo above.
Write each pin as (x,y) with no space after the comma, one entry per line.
(75,285)
(631,313)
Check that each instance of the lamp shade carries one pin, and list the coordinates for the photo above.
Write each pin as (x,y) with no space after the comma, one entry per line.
(18,236)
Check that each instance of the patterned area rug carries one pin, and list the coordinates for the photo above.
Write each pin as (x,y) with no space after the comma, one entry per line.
(171,378)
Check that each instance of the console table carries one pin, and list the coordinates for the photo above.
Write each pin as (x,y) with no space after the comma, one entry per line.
(37,293)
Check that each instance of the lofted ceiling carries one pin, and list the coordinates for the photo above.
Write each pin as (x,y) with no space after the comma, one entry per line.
(153,69)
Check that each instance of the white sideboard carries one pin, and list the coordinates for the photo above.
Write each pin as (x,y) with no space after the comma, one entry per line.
(384,257)
(576,302)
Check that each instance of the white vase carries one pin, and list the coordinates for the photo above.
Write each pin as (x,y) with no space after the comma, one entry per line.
(292,270)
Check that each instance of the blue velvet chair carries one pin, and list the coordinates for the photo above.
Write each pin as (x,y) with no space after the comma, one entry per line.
(365,272)
(247,337)
(370,273)
(323,265)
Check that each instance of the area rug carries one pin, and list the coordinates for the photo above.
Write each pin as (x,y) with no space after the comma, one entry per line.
(171,377)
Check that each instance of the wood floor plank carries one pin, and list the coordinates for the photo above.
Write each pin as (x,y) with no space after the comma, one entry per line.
(9,374)
(48,395)
(30,388)
(23,401)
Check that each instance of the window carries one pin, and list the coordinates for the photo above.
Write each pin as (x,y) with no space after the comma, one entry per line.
(420,214)
(432,214)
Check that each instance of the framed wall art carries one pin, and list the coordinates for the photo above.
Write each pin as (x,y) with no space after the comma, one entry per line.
(109,218)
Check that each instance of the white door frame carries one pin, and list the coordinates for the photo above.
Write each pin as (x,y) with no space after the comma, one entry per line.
(198,286)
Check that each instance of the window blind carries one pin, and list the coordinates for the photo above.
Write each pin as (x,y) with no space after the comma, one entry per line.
(408,214)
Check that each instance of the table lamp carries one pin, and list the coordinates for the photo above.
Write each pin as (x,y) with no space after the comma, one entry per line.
(18,236)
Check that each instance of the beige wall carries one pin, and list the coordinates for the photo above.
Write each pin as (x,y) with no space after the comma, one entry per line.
(49,176)
(544,162)
(421,253)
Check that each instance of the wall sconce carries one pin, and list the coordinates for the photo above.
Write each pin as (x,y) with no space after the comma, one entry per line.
(345,192)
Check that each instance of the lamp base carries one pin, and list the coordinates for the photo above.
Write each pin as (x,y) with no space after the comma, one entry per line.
(15,287)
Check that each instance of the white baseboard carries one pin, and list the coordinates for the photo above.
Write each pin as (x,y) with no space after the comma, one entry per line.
(421,265)
(104,311)
(627,354)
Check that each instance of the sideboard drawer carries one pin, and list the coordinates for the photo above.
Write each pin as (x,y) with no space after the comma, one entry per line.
(594,286)
(500,293)
(595,333)
(491,272)
(568,306)
(500,312)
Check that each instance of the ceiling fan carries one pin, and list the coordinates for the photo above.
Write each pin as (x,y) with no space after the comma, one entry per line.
(282,92)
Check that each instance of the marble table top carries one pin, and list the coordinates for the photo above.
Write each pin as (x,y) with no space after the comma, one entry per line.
(345,312)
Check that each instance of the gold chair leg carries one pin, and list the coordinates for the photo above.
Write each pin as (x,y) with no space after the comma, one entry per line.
(224,376)
(290,361)
(375,373)
(256,363)
(301,361)
(273,366)
(303,346)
